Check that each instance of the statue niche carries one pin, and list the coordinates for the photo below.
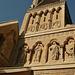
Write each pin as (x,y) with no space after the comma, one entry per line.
(54,49)
(23,52)
(38,51)
(70,48)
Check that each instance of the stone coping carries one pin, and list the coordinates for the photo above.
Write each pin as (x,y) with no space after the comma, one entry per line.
(8,22)
(13,69)
(37,68)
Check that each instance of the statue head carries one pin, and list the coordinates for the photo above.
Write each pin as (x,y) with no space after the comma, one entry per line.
(70,40)
(53,42)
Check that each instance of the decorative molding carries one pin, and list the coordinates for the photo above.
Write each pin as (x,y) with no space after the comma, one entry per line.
(59,31)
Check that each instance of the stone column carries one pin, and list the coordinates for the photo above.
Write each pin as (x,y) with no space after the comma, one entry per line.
(63,16)
(29,57)
(38,18)
(45,51)
(50,19)
(25,23)
(42,20)
(31,19)
(62,52)
(37,21)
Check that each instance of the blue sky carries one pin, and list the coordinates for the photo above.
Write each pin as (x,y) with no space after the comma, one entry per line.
(16,9)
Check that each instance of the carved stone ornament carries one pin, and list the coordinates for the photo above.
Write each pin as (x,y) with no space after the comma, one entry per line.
(23,52)
(70,48)
(31,29)
(43,26)
(54,48)
(38,50)
(56,24)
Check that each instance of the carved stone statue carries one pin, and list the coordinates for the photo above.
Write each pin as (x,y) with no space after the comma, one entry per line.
(38,50)
(24,52)
(70,48)
(54,48)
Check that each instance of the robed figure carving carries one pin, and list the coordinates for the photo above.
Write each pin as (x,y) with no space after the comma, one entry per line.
(38,51)
(24,51)
(54,49)
(70,48)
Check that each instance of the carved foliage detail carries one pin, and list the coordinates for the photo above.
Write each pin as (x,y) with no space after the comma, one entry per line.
(31,29)
(43,26)
(56,24)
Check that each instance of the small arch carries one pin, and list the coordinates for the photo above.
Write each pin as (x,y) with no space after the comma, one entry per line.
(51,41)
(41,12)
(34,14)
(58,9)
(30,14)
(46,11)
(53,10)
(38,42)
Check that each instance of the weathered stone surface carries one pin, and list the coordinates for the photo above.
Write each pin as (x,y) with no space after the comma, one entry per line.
(8,40)
(56,72)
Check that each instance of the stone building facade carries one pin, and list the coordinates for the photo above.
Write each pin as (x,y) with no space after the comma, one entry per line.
(46,41)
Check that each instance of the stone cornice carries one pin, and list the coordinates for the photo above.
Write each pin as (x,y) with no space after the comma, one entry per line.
(8,23)
(47,6)
(46,32)
(43,67)
(13,69)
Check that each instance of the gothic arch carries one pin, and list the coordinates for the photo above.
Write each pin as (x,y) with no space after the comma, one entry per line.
(38,42)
